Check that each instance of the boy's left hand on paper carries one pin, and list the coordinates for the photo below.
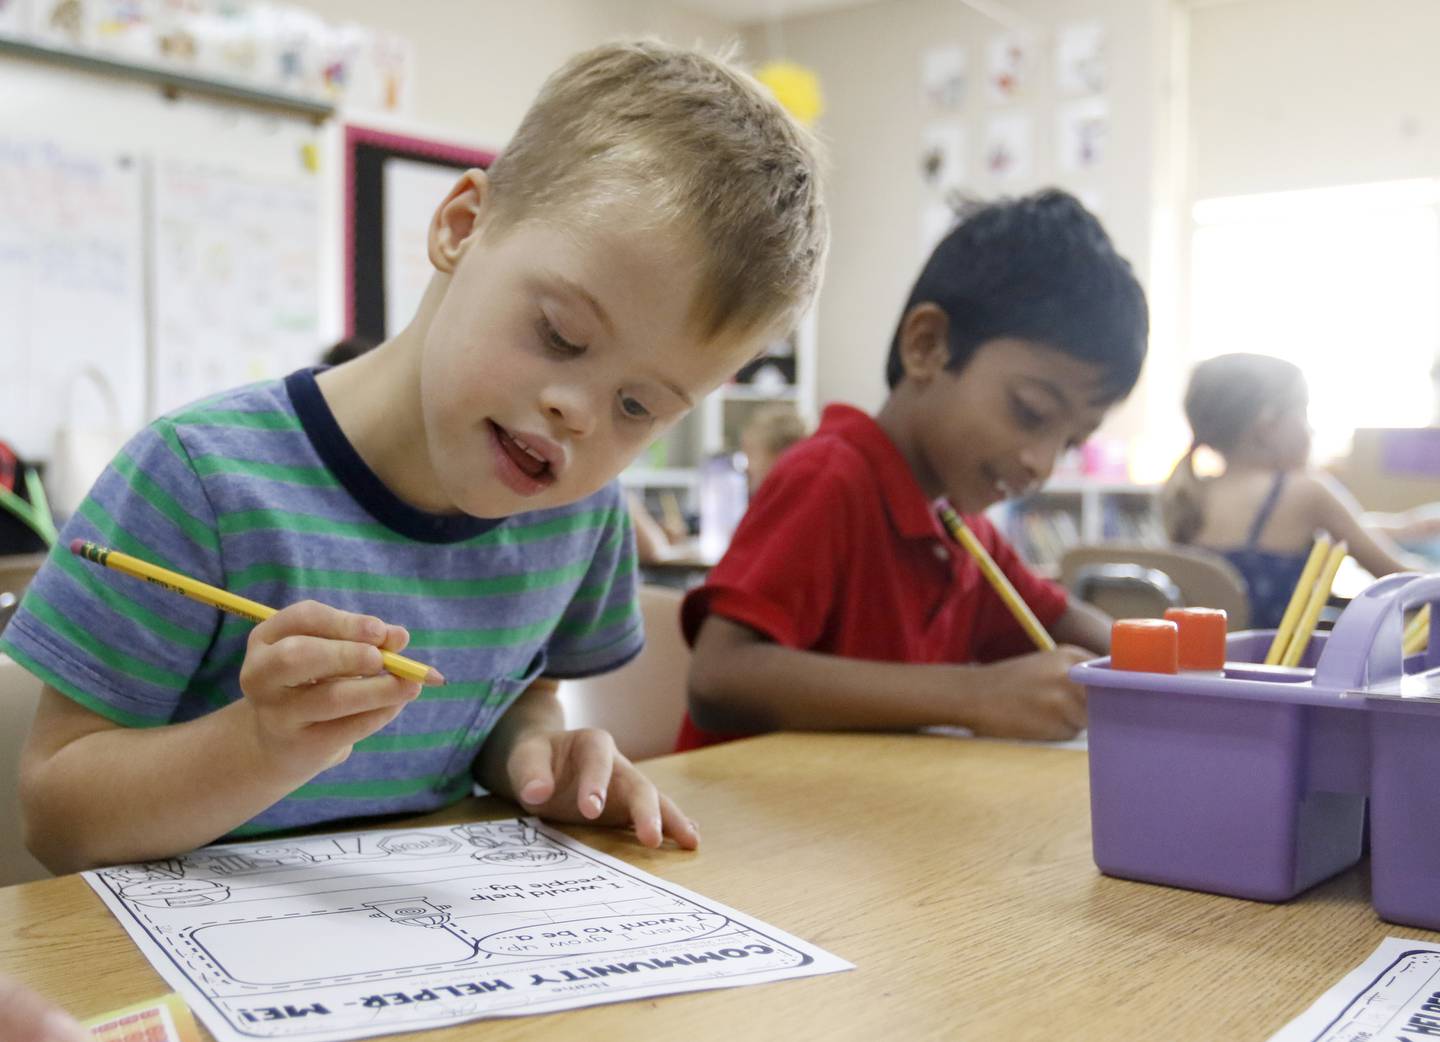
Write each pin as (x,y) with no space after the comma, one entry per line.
(580,777)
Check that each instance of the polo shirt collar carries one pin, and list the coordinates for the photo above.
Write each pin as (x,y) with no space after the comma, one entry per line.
(910,512)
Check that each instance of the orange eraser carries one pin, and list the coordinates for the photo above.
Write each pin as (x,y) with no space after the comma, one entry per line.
(1202,636)
(1145,645)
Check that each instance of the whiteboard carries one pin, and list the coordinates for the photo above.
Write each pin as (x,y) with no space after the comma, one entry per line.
(71,288)
(236,273)
(258,170)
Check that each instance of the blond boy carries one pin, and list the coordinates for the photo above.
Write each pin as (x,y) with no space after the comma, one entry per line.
(655,219)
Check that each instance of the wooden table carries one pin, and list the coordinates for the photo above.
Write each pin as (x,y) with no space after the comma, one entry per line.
(955,874)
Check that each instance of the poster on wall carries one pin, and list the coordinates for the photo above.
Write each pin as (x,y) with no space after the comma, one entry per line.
(1009,147)
(1008,62)
(942,156)
(943,77)
(1080,61)
(383,79)
(1083,127)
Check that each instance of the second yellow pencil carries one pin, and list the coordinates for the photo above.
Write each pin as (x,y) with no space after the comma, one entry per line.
(1300,640)
(1002,586)
(1298,600)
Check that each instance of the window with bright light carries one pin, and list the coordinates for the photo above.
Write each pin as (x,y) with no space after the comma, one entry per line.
(1344,282)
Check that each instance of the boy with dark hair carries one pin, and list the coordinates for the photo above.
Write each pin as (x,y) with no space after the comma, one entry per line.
(842,604)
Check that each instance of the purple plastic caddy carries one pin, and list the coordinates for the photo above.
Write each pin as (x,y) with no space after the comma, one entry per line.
(1254,784)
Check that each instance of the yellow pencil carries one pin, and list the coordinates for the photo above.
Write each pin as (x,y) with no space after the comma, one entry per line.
(1023,615)
(399,665)
(1298,600)
(1318,596)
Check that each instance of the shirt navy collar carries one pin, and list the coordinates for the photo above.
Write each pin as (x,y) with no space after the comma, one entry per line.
(355,475)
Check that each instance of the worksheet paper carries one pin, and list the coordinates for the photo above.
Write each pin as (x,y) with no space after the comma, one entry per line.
(1394,996)
(351,935)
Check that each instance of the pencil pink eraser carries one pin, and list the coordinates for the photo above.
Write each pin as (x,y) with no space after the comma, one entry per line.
(76,545)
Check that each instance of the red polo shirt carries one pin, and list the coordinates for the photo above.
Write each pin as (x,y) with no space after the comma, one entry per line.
(840,552)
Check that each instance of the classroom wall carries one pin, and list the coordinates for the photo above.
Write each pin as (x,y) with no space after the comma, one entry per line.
(868,60)
(1288,94)
(479,63)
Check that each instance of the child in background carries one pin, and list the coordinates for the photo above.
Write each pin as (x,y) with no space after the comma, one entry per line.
(842,604)
(767,433)
(770,431)
(653,223)
(1263,511)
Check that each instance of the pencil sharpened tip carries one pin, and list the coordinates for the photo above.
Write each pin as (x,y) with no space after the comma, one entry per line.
(434,678)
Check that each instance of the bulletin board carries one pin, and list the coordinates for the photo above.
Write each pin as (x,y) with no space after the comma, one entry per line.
(393,183)
(174,245)
(71,278)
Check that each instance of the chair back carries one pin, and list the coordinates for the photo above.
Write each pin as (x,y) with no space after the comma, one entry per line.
(642,702)
(16,571)
(1142,581)
(19,694)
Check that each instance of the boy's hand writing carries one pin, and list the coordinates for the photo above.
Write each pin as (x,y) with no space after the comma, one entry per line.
(1032,696)
(313,678)
(580,777)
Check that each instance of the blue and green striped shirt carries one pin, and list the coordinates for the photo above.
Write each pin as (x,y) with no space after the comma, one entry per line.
(258,491)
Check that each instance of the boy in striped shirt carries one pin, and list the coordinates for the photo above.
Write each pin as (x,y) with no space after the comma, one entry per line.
(653,223)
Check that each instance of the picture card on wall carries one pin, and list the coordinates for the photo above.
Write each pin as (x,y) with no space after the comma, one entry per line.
(1083,128)
(1080,59)
(1008,66)
(943,77)
(942,156)
(1009,147)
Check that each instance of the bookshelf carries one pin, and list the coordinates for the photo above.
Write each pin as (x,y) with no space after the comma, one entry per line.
(1075,511)
(784,373)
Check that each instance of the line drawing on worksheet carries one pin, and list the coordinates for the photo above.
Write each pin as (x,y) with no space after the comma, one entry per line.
(362,933)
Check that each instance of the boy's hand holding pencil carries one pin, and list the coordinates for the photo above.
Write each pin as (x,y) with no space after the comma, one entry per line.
(318,679)
(1035,697)
(1032,696)
(315,679)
